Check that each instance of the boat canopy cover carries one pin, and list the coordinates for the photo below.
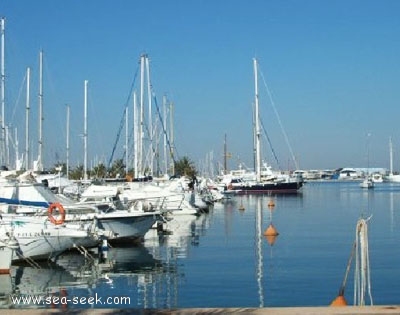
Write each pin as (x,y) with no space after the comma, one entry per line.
(24,202)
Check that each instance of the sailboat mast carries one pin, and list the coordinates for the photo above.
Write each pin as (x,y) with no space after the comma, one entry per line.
(257,122)
(40,157)
(225,157)
(391,156)
(17,160)
(28,76)
(67,171)
(135,137)
(85,133)
(165,134)
(3,97)
(126,140)
(141,120)
(172,145)
(150,115)
(7,134)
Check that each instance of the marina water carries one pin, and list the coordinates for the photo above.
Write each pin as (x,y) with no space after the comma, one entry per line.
(222,258)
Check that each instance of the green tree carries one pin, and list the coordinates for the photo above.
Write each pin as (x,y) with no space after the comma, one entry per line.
(99,171)
(118,167)
(185,166)
(76,173)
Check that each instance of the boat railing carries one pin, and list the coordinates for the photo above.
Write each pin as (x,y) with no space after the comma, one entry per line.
(157,203)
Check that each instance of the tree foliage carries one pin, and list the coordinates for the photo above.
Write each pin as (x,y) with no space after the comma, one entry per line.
(185,166)
(99,171)
(76,173)
(117,168)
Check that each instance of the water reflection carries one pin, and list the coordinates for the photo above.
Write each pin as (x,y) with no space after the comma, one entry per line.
(223,258)
(259,254)
(6,288)
(148,272)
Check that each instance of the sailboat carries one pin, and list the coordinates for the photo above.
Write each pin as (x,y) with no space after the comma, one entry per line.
(367,182)
(261,184)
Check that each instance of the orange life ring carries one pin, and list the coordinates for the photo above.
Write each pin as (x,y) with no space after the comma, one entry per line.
(61,210)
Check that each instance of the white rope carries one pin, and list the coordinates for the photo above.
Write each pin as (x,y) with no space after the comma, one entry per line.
(362,279)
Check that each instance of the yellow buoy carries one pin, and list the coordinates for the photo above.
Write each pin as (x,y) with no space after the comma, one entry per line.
(241,207)
(339,301)
(271,231)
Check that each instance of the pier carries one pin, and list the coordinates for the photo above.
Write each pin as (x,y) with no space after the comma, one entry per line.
(326,310)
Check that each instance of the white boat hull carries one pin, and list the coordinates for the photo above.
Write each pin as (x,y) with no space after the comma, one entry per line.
(367,184)
(121,224)
(38,238)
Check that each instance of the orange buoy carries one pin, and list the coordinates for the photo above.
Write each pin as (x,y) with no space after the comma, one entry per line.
(339,301)
(271,231)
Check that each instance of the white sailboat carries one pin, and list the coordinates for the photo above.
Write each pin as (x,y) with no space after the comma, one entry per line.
(264,183)
(170,198)
(38,238)
(29,197)
(367,183)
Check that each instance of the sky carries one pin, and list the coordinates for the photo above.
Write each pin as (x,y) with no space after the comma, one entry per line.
(328,77)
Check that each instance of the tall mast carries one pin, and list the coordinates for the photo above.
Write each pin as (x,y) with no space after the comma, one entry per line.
(257,122)
(391,155)
(254,136)
(225,157)
(28,75)
(165,134)
(85,135)
(141,119)
(17,160)
(135,137)
(40,157)
(150,115)
(126,140)
(171,137)
(67,166)
(3,97)
(7,135)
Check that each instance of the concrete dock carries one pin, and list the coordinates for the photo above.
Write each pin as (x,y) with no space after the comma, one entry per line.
(325,310)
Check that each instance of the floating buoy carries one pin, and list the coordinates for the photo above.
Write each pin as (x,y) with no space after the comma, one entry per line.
(241,207)
(271,231)
(339,301)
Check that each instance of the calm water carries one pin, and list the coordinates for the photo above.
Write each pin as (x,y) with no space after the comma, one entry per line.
(221,259)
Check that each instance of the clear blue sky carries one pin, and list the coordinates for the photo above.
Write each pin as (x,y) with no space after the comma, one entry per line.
(333,68)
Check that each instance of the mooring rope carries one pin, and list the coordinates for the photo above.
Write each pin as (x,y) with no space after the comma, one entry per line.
(362,276)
